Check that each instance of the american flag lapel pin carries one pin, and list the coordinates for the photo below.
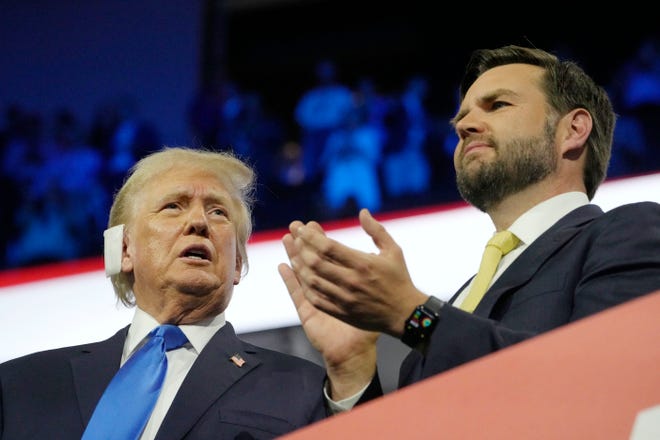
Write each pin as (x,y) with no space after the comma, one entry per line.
(237,360)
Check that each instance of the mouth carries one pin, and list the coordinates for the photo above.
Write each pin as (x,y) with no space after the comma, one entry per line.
(196,252)
(474,147)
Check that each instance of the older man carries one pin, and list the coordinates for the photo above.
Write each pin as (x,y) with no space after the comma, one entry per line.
(181,223)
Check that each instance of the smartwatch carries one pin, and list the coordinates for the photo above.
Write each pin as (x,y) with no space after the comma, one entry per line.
(421,323)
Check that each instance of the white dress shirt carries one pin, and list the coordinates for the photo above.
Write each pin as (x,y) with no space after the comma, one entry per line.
(179,361)
(529,226)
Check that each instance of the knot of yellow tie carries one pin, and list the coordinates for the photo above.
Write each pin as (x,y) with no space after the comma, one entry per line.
(504,241)
(499,245)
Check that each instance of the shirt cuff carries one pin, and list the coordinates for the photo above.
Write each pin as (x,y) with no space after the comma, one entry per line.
(337,407)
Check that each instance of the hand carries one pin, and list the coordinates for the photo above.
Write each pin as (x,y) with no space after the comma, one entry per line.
(349,353)
(370,291)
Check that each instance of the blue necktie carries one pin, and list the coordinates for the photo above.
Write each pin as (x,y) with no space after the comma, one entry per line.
(125,406)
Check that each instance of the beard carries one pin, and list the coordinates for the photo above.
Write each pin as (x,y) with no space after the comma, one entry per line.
(525,162)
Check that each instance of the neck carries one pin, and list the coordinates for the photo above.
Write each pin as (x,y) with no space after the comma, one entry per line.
(182,309)
(510,208)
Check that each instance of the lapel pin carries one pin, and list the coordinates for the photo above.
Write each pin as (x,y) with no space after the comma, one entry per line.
(237,359)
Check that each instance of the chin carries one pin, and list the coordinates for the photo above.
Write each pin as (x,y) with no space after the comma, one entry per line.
(199,284)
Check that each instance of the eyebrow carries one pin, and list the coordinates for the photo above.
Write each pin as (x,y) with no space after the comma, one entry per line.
(214,197)
(487,98)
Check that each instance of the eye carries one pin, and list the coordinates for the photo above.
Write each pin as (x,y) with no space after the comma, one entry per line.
(170,205)
(499,104)
(222,212)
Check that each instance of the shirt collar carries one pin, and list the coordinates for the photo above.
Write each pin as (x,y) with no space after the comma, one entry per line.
(198,334)
(529,226)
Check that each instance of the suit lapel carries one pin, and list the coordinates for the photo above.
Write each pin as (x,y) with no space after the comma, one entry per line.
(212,374)
(529,262)
(93,368)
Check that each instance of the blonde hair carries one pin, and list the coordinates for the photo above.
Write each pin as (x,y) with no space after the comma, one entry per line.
(238,177)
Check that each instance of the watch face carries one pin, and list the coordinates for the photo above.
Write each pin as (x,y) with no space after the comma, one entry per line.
(420,325)
(420,319)
(426,322)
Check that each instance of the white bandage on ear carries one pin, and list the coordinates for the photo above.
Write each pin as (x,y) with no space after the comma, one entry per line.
(113,242)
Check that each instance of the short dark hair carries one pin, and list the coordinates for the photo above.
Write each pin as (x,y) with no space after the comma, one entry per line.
(567,87)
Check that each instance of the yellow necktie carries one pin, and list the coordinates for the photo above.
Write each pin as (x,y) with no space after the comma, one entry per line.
(499,245)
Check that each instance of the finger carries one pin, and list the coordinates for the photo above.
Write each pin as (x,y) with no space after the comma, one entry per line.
(291,283)
(294,225)
(381,238)
(293,286)
(288,272)
(321,260)
(289,246)
(303,236)
(300,296)
(316,227)
(304,260)
(301,282)
(316,247)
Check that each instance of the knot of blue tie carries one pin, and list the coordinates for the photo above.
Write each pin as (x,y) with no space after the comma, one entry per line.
(127,403)
(172,337)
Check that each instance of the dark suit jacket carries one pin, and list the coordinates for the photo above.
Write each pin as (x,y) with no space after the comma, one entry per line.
(52,394)
(586,262)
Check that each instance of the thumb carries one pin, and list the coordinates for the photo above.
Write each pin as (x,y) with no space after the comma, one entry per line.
(381,238)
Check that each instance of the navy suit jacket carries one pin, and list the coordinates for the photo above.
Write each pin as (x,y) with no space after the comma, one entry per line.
(585,263)
(52,394)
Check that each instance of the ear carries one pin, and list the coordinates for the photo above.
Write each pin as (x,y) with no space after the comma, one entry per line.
(126,255)
(238,270)
(574,129)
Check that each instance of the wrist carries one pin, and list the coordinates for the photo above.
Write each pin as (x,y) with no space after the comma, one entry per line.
(407,306)
(349,377)
(345,385)
(420,324)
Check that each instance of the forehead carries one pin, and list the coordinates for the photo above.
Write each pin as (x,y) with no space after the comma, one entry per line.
(522,79)
(185,179)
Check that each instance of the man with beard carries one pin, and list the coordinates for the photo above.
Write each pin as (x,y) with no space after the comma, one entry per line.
(534,142)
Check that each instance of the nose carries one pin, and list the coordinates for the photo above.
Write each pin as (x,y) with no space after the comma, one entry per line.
(197,223)
(469,124)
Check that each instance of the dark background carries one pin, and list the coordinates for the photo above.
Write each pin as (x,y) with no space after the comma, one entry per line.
(273,45)
(393,39)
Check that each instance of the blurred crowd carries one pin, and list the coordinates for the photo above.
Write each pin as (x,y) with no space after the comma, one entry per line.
(354,146)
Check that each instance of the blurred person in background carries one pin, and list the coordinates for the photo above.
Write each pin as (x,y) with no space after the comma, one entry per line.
(319,112)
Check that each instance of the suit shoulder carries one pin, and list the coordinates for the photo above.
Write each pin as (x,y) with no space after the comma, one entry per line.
(634,212)
(633,222)
(45,356)
(646,206)
(54,355)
